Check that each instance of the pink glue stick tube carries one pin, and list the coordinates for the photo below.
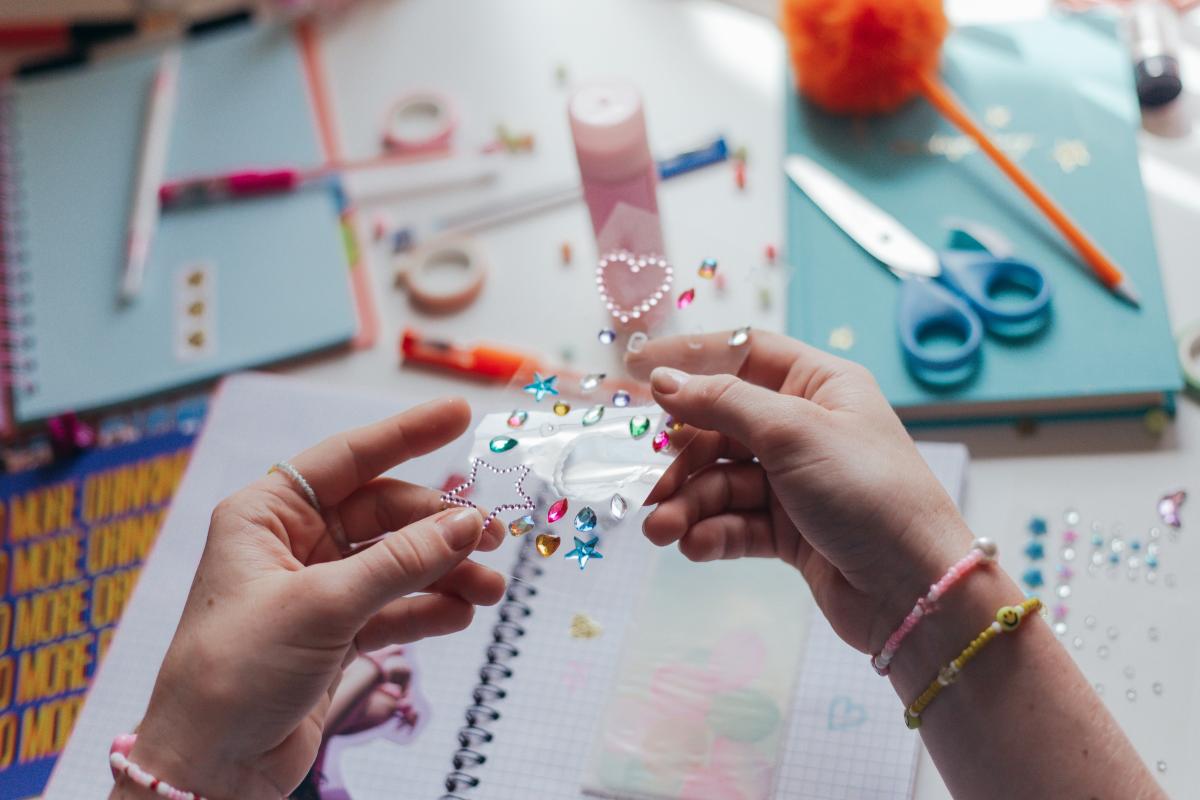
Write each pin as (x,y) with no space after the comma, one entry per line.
(619,176)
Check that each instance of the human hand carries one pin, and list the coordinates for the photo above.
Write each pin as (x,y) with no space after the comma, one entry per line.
(275,612)
(800,457)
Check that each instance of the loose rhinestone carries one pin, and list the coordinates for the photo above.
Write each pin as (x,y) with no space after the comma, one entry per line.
(521,525)
(638,426)
(620,398)
(561,408)
(593,415)
(547,543)
(585,520)
(607,336)
(589,383)
(684,300)
(662,440)
(618,507)
(739,337)
(708,268)
(517,418)
(502,444)
(557,511)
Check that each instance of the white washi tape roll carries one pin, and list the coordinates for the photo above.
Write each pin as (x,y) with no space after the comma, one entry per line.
(443,276)
(420,122)
(1189,355)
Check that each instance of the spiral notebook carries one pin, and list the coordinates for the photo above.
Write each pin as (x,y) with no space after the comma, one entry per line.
(228,286)
(508,708)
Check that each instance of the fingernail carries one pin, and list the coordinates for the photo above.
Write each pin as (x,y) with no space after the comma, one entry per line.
(666,380)
(460,527)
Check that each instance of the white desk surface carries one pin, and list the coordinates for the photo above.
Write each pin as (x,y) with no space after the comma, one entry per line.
(705,67)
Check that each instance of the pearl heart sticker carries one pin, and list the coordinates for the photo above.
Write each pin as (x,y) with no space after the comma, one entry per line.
(630,285)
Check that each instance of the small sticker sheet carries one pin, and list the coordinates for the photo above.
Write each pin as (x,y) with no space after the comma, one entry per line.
(195,318)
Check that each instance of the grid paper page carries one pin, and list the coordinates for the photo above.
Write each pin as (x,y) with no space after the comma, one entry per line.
(248,428)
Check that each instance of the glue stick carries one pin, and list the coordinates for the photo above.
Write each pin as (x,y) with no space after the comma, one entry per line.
(618,174)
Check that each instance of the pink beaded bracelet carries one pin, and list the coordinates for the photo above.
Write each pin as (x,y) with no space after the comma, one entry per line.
(118,759)
(982,551)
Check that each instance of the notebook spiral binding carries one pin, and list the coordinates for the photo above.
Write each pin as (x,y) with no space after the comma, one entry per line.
(16,344)
(490,693)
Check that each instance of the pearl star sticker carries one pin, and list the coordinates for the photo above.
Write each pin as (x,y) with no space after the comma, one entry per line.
(457,495)
(584,550)
(542,386)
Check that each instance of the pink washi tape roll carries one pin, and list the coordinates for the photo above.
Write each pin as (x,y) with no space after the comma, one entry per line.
(420,122)
(618,173)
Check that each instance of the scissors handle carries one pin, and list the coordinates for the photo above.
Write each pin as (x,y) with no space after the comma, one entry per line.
(925,307)
(977,275)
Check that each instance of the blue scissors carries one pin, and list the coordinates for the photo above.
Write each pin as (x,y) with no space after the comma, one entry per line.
(951,291)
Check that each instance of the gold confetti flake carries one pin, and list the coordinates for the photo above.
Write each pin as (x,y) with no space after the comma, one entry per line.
(841,338)
(584,627)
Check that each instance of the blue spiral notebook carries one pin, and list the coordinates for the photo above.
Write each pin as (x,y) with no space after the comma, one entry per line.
(1058,95)
(227,286)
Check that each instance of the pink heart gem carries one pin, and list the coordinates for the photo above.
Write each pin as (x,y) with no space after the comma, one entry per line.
(631,285)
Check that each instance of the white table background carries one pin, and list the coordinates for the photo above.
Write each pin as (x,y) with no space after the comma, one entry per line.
(706,67)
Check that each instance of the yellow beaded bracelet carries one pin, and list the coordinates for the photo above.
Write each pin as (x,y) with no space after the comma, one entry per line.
(1008,618)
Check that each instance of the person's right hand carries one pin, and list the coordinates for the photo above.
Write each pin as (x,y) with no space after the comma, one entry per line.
(801,457)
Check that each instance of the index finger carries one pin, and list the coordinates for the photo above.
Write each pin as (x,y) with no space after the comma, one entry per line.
(766,359)
(345,461)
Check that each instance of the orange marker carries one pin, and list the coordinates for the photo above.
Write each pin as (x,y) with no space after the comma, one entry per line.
(488,362)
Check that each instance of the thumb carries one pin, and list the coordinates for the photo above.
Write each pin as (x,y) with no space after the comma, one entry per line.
(404,561)
(744,411)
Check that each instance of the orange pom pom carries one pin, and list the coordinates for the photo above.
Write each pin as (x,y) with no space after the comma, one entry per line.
(862,56)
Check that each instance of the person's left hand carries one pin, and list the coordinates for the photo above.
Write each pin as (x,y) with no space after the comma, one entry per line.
(275,612)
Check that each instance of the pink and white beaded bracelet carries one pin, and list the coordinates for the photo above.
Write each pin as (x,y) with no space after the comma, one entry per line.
(118,759)
(982,551)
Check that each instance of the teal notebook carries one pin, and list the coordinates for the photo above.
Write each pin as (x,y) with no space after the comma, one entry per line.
(1057,94)
(227,286)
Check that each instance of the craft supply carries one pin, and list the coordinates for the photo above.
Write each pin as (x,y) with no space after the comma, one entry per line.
(539,387)
(1008,619)
(443,276)
(122,767)
(420,122)
(546,199)
(584,551)
(521,525)
(1169,506)
(486,361)
(152,162)
(63,34)
(547,544)
(458,495)
(983,551)
(938,291)
(836,70)
(617,172)
(1152,29)
(631,286)
(131,350)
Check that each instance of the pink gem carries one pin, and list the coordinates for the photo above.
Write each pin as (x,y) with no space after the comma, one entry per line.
(1070,536)
(685,299)
(1060,612)
(557,511)
(662,440)
(1065,572)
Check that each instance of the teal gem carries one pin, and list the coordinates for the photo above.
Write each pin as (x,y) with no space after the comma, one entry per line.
(502,444)
(585,520)
(593,415)
(638,426)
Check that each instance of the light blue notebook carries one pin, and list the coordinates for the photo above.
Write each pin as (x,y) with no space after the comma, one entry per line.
(1058,94)
(228,286)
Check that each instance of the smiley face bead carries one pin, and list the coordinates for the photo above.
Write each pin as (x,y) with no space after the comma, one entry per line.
(1009,617)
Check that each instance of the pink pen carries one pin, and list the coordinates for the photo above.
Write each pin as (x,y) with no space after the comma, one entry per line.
(214,188)
(619,175)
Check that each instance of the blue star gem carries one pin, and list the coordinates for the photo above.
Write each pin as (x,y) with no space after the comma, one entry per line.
(1037,526)
(542,386)
(1035,551)
(1033,578)
(584,550)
